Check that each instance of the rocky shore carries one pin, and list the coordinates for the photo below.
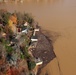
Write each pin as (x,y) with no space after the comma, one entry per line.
(44,48)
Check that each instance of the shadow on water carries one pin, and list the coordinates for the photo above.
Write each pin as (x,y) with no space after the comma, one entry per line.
(52,36)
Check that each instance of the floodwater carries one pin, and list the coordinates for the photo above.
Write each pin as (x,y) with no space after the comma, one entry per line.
(58,17)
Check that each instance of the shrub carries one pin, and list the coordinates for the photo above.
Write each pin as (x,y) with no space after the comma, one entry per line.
(31,65)
(22,56)
(28,18)
(8,49)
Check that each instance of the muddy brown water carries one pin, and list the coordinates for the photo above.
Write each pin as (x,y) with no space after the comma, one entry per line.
(58,16)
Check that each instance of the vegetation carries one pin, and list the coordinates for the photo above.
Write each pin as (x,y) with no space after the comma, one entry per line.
(4,17)
(7,20)
(13,18)
(9,49)
(22,56)
(1,29)
(31,65)
(0,54)
(16,17)
(22,18)
(30,61)
(28,18)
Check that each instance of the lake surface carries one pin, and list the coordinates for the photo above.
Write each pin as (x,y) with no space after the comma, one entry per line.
(57,17)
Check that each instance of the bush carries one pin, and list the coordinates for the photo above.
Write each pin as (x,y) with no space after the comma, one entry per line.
(22,56)
(28,18)
(30,73)
(31,65)
(26,52)
(8,49)
(5,18)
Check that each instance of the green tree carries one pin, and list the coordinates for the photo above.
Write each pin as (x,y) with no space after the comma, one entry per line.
(19,18)
(28,18)
(9,49)
(31,65)
(6,17)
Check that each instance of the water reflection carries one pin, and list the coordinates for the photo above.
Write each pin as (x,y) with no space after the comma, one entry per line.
(32,6)
(31,1)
